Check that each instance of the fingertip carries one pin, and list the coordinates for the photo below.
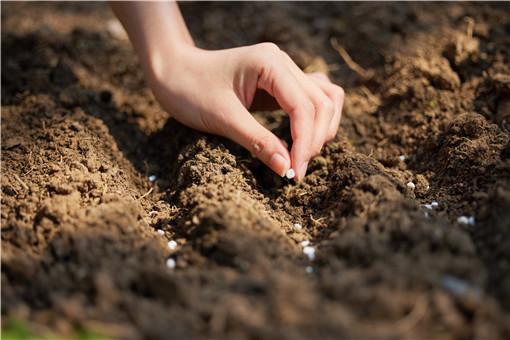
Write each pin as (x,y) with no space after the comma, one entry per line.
(279,164)
(299,162)
(302,171)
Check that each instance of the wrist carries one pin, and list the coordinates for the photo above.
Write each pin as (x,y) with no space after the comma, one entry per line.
(157,31)
(166,60)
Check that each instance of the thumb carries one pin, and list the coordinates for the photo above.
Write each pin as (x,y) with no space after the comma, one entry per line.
(253,136)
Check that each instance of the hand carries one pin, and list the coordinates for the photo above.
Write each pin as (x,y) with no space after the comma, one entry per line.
(211,91)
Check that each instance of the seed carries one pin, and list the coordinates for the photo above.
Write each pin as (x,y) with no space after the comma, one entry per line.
(170,263)
(298,226)
(152,178)
(402,158)
(305,243)
(411,185)
(463,220)
(431,205)
(290,174)
(172,244)
(471,220)
(161,232)
(459,286)
(309,269)
(152,212)
(310,252)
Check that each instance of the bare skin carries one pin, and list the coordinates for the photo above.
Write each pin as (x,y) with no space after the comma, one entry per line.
(212,91)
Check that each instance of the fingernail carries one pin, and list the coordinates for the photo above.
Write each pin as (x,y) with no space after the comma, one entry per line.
(279,164)
(302,171)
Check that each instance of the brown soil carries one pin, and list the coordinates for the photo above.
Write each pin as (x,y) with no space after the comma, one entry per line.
(81,134)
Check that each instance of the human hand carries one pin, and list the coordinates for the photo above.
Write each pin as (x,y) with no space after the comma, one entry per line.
(212,91)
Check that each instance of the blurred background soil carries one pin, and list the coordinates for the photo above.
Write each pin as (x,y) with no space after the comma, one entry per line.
(85,228)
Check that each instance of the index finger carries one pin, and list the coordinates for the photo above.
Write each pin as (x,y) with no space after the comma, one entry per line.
(278,78)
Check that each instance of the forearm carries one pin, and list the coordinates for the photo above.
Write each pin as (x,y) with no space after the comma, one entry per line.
(156,29)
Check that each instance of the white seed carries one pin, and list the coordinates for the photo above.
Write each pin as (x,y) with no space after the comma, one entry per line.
(298,226)
(428,206)
(458,286)
(434,204)
(402,158)
(309,269)
(152,178)
(172,244)
(170,263)
(152,212)
(305,243)
(310,252)
(161,232)
(463,220)
(471,221)
(411,185)
(290,174)
(428,187)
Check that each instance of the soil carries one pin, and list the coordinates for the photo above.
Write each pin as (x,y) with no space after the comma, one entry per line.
(85,231)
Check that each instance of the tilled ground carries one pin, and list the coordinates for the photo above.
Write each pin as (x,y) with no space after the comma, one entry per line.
(85,230)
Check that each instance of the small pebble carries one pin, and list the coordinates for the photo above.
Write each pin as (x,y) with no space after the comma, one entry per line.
(161,232)
(463,220)
(305,243)
(309,269)
(402,158)
(152,212)
(310,252)
(411,185)
(152,178)
(290,174)
(172,244)
(298,226)
(170,263)
(471,220)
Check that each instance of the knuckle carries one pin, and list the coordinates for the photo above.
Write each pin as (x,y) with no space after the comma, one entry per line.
(316,149)
(309,108)
(265,58)
(286,56)
(331,135)
(313,147)
(306,107)
(326,105)
(266,52)
(339,93)
(269,48)
(257,145)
